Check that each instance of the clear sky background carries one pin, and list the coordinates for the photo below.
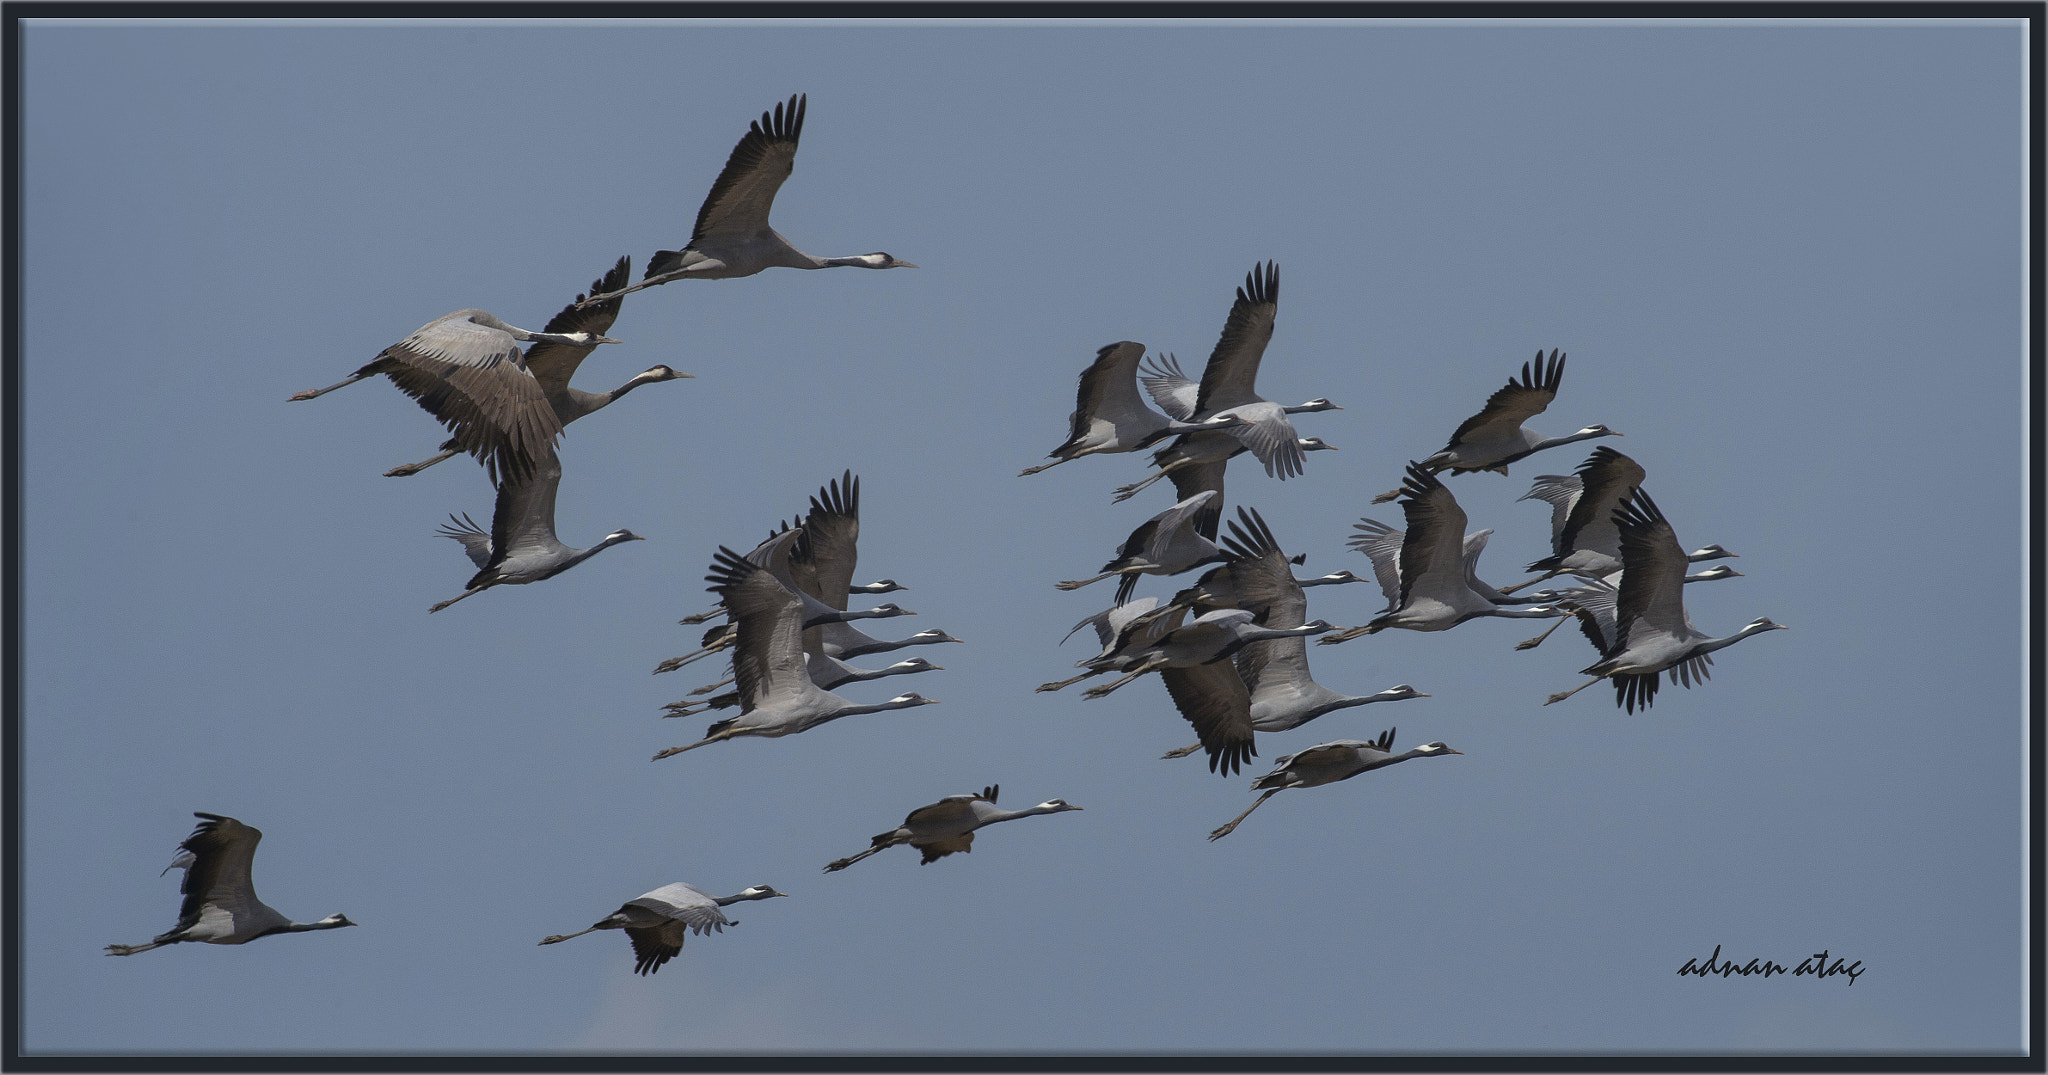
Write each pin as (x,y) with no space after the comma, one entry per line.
(1785,261)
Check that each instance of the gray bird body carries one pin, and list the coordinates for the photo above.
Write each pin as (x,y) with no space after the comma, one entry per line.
(1437,565)
(521,546)
(1651,632)
(1584,539)
(777,696)
(552,361)
(1110,416)
(1328,763)
(1227,381)
(732,237)
(657,923)
(220,905)
(948,825)
(466,369)
(1166,544)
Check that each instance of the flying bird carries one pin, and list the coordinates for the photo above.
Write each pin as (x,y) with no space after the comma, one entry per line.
(1583,537)
(1437,565)
(466,370)
(1328,763)
(1226,385)
(521,546)
(1110,416)
(658,922)
(220,899)
(1494,437)
(551,364)
(948,825)
(777,697)
(1166,544)
(1652,633)
(732,237)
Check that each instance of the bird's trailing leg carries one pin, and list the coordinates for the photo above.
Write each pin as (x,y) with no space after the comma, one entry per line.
(1346,635)
(699,617)
(560,937)
(312,393)
(726,734)
(1069,682)
(131,949)
(1532,643)
(1097,692)
(839,864)
(1182,752)
(1531,582)
(1125,492)
(1224,830)
(1075,584)
(709,687)
(1562,695)
(674,663)
(466,593)
(1039,467)
(410,469)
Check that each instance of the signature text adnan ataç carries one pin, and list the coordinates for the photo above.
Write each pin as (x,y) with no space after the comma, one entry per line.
(1816,964)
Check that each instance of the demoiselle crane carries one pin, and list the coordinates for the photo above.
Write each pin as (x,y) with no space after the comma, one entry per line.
(1494,437)
(1583,538)
(948,825)
(220,899)
(1328,763)
(1438,562)
(1208,639)
(732,237)
(1123,631)
(1226,385)
(1652,633)
(1575,600)
(1110,416)
(658,922)
(466,369)
(777,697)
(1279,694)
(521,546)
(552,363)
(1166,544)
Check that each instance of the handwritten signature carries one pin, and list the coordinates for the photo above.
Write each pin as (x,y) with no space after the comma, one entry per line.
(1816,964)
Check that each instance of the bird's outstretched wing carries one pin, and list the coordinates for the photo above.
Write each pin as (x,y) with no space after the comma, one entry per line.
(552,364)
(1519,401)
(473,379)
(744,192)
(1234,364)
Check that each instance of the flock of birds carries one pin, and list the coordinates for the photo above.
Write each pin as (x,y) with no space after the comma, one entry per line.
(1231,648)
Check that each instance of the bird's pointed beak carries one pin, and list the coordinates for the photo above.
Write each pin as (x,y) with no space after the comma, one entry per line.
(1425,694)
(902,264)
(608,339)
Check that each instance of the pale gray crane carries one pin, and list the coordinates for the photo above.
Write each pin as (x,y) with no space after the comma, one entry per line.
(659,922)
(777,697)
(732,237)
(1226,385)
(828,674)
(1440,588)
(948,825)
(1110,416)
(552,364)
(1195,463)
(1599,593)
(220,899)
(1279,695)
(1652,633)
(1124,631)
(521,546)
(1583,538)
(1166,544)
(1327,763)
(1494,437)
(466,370)
(1209,639)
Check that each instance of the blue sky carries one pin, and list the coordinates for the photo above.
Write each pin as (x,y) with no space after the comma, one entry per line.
(1785,260)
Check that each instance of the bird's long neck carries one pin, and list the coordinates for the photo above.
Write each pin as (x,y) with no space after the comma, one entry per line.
(860,260)
(582,403)
(1341,701)
(1552,442)
(991,814)
(326,923)
(1712,644)
(727,901)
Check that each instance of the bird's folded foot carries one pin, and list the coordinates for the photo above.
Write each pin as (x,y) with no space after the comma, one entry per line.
(1181,753)
(1386,496)
(406,471)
